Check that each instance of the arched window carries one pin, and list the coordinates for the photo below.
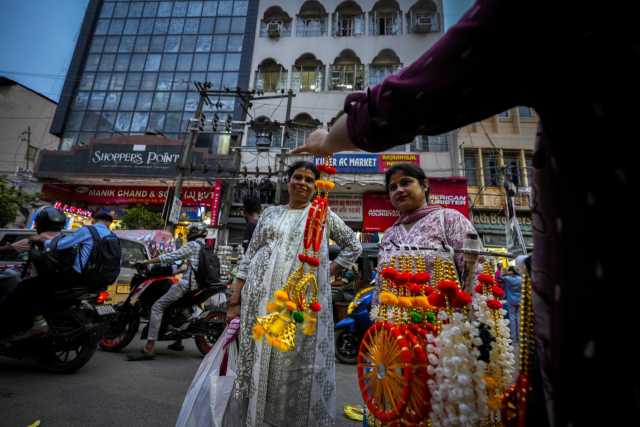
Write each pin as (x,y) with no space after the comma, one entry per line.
(432,144)
(423,17)
(385,19)
(383,65)
(308,74)
(270,76)
(334,120)
(261,127)
(312,20)
(301,127)
(348,20)
(275,23)
(347,72)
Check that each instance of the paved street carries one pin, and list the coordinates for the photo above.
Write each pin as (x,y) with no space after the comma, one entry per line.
(112,392)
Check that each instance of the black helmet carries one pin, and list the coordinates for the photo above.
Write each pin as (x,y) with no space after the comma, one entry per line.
(50,219)
(161,270)
(196,230)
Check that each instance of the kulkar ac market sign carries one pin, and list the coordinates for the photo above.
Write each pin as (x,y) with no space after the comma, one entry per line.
(368,163)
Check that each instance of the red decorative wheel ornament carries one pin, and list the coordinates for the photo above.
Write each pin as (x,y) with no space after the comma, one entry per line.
(419,407)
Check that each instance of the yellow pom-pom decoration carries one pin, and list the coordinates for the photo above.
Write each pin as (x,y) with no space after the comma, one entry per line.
(258,332)
(491,384)
(273,306)
(388,298)
(405,302)
(493,404)
(329,185)
(290,305)
(320,183)
(422,302)
(281,296)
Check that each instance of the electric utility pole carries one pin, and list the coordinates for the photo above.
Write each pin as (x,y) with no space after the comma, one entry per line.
(28,140)
(283,149)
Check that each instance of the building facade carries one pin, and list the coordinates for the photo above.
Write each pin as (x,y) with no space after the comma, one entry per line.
(324,51)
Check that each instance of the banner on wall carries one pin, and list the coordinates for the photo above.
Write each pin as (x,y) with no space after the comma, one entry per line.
(379,213)
(347,206)
(388,160)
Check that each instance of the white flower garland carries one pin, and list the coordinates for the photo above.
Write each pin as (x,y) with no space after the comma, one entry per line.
(458,397)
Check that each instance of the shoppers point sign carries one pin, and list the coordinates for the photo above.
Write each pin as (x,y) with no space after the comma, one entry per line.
(135,158)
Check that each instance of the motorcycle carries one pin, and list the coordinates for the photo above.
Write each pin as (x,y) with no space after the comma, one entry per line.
(75,318)
(179,321)
(350,331)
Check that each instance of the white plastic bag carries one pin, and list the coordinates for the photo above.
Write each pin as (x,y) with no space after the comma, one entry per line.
(197,408)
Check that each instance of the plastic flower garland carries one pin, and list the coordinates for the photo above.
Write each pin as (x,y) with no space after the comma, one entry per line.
(290,305)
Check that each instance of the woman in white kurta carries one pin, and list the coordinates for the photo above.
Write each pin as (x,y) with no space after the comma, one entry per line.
(295,388)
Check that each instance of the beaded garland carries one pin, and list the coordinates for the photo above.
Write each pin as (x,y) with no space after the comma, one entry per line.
(290,305)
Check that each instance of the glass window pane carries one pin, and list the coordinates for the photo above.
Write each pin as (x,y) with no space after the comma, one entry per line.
(97,44)
(197,77)
(122,62)
(107,10)
(200,62)
(146,26)
(157,44)
(228,102)
(92,62)
(112,101)
(191,26)
(225,8)
(233,62)
(176,102)
(96,100)
(87,81)
(102,81)
(144,101)
(131,26)
(164,81)
(117,81)
(117,25)
(181,81)
(168,62)
(106,63)
(150,9)
(137,62)
(219,43)
(235,44)
(195,8)
(165,9)
(128,101)
(173,121)
(240,8)
(142,44)
(156,122)
(133,81)
(123,122)
(203,44)
(215,79)
(176,25)
(111,46)
(180,8)
(525,112)
(135,11)
(91,121)
(216,63)
(172,44)
(102,27)
(230,80)
(184,62)
(185,120)
(188,44)
(237,25)
(148,81)
(127,43)
(209,8)
(160,101)
(222,26)
(121,10)
(139,123)
(192,101)
(80,101)
(75,120)
(206,25)
(153,63)
(162,26)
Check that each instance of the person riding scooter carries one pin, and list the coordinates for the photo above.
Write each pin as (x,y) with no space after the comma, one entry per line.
(190,251)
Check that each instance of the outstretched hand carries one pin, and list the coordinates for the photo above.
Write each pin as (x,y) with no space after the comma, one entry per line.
(322,143)
(315,144)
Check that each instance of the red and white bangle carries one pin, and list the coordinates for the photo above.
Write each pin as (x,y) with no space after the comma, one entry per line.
(231,304)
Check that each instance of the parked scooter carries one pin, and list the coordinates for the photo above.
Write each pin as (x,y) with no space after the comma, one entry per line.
(179,321)
(75,318)
(350,331)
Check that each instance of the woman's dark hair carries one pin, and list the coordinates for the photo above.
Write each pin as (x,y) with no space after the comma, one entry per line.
(305,165)
(407,169)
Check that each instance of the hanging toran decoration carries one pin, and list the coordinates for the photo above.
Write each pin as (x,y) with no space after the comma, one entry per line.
(293,304)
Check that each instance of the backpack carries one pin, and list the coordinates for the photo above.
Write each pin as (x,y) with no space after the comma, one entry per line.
(103,266)
(208,266)
(51,259)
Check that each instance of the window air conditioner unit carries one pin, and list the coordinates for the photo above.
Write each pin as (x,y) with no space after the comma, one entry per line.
(423,24)
(274,29)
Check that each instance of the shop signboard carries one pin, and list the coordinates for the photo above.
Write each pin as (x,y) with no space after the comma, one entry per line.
(515,241)
(388,160)
(115,213)
(174,217)
(379,213)
(215,203)
(72,209)
(190,213)
(359,163)
(496,221)
(23,172)
(347,206)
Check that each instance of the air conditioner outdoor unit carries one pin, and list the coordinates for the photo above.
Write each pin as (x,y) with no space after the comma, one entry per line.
(423,24)
(274,29)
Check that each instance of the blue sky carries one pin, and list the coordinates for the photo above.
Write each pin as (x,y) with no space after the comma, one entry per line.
(37,39)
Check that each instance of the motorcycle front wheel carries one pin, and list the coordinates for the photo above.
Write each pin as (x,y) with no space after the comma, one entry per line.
(77,354)
(206,342)
(347,346)
(118,335)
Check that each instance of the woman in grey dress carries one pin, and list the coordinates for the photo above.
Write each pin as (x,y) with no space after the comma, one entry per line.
(295,388)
